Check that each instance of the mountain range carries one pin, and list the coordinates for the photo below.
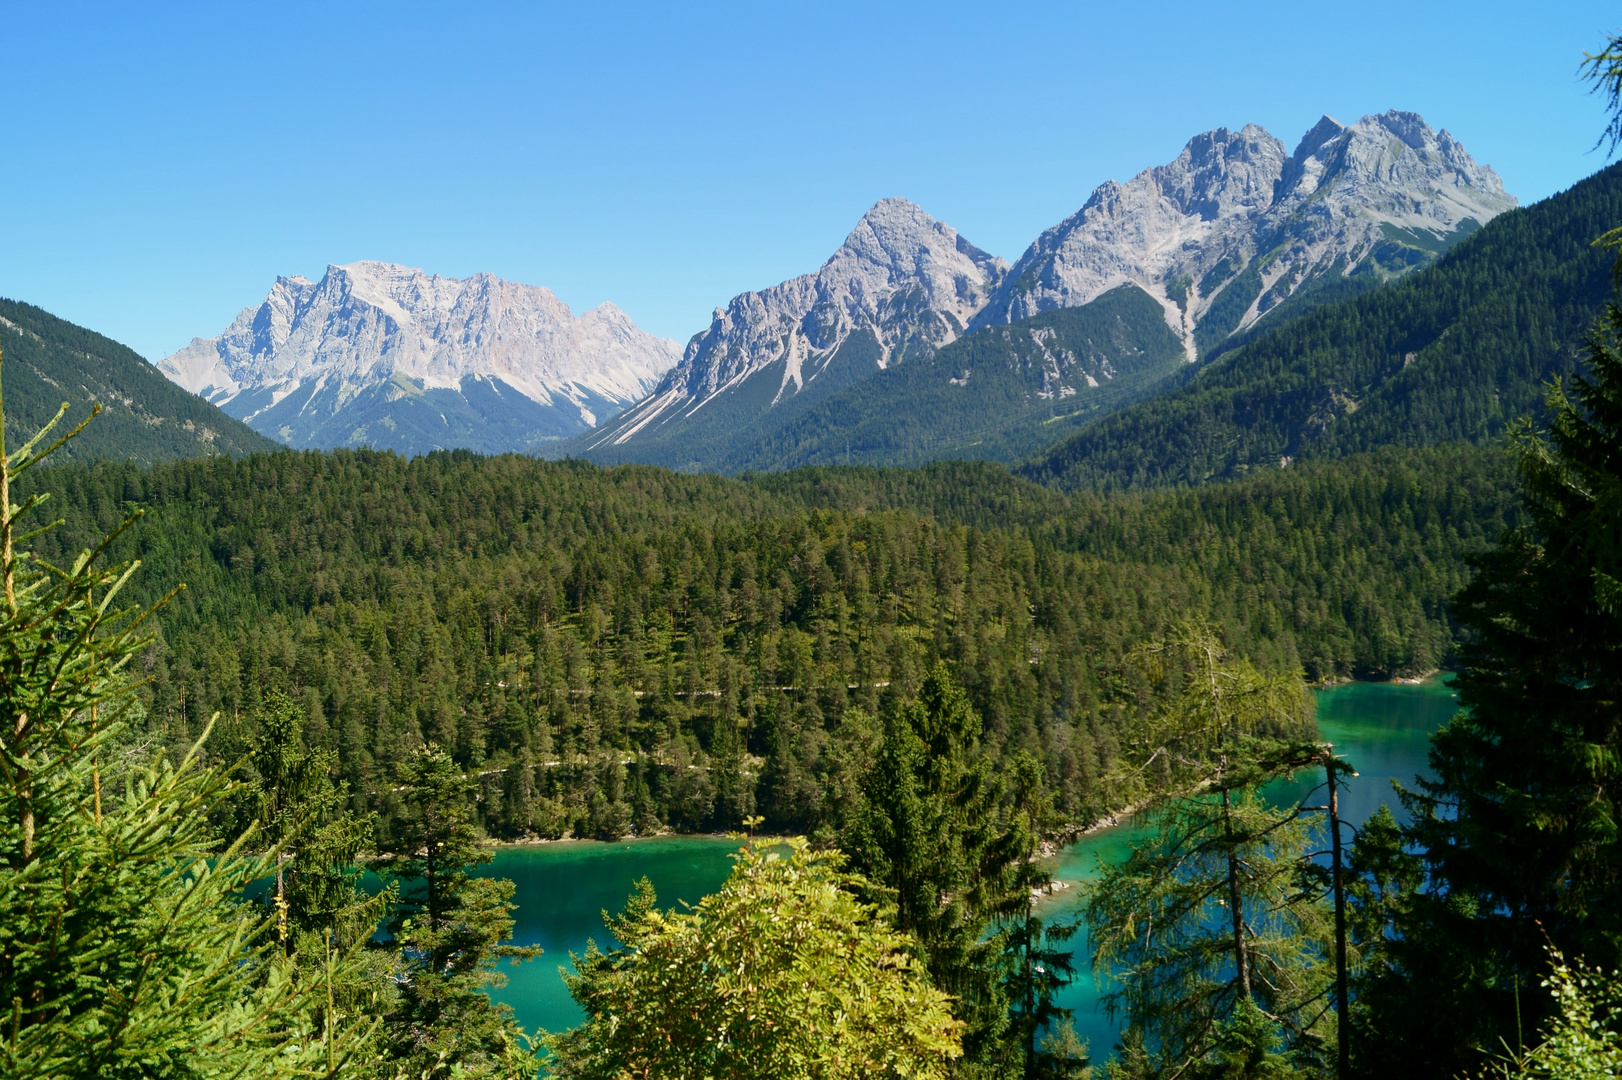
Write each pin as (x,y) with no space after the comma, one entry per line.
(1234,232)
(908,343)
(1236,227)
(1452,354)
(391,357)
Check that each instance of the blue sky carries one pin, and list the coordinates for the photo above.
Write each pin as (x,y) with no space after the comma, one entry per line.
(163,163)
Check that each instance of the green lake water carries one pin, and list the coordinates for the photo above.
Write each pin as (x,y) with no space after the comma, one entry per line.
(562,889)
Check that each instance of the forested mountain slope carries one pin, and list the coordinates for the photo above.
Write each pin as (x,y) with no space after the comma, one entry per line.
(145,417)
(1452,352)
(581,635)
(997,394)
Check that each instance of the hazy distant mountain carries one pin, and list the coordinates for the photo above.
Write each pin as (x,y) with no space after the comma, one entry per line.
(1236,228)
(392,357)
(145,417)
(901,286)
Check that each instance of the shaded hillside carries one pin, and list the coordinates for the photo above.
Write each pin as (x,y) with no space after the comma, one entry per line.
(1452,352)
(997,394)
(145,417)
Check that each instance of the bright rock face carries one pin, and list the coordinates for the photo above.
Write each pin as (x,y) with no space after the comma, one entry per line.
(1235,226)
(1235,230)
(902,284)
(389,356)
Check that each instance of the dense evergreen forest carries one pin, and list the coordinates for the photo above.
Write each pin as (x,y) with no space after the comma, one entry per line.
(582,637)
(239,822)
(1454,352)
(145,417)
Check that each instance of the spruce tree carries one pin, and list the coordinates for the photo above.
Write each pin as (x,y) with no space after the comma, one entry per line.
(1518,831)
(1514,847)
(447,934)
(927,833)
(126,949)
(1037,963)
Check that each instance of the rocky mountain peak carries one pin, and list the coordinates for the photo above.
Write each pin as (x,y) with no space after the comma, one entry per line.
(901,284)
(295,366)
(1234,217)
(900,276)
(1325,129)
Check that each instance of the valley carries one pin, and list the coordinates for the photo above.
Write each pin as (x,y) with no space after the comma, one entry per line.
(1185,650)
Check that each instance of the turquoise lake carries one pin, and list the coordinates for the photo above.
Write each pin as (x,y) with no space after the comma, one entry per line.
(563,888)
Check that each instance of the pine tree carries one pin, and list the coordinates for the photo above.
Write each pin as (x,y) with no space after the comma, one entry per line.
(126,949)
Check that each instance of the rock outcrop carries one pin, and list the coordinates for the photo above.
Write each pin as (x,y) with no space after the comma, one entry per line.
(392,357)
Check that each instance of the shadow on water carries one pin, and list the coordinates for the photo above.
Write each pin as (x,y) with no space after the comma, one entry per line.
(563,889)
(1383,729)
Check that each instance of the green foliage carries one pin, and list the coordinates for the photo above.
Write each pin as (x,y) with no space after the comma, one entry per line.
(1214,931)
(927,834)
(589,641)
(125,947)
(782,973)
(447,936)
(1451,352)
(1518,831)
(145,417)
(1162,932)
(1223,725)
(1037,962)
(317,900)
(996,394)
(1583,1039)
(1604,70)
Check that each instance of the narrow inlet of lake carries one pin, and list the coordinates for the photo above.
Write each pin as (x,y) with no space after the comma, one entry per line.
(564,888)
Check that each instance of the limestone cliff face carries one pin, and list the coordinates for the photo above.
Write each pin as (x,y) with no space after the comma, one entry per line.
(390,356)
(1235,226)
(902,284)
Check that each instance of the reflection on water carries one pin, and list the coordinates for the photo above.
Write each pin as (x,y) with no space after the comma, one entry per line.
(1383,729)
(563,889)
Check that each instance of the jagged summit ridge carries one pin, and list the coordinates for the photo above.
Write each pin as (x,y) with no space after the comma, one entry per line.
(905,281)
(1234,215)
(295,365)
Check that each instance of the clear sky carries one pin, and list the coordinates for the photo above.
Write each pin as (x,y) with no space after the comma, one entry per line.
(161,163)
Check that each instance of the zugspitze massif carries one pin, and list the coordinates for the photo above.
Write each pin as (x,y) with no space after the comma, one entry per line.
(387,356)
(1235,230)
